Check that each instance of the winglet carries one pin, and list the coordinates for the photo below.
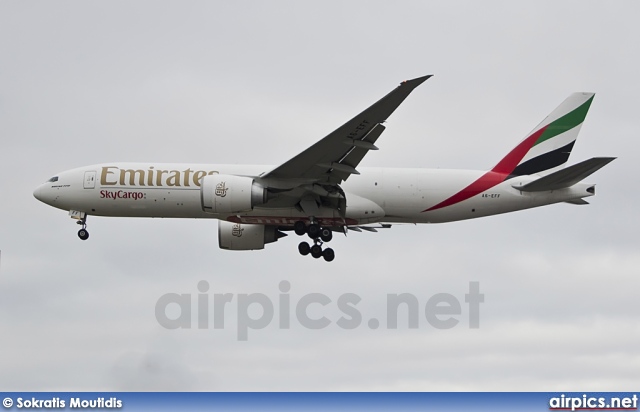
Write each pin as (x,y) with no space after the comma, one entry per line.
(413,83)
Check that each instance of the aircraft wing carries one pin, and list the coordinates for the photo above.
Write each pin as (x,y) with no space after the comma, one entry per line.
(335,157)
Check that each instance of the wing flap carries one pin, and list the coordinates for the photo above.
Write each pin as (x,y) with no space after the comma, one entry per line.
(369,228)
(577,202)
(359,149)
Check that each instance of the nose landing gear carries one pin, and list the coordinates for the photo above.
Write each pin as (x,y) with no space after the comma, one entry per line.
(83,233)
(320,235)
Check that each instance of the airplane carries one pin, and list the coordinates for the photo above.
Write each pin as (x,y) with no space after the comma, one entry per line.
(322,191)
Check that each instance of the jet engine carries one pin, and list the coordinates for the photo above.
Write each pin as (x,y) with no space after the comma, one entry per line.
(240,236)
(230,194)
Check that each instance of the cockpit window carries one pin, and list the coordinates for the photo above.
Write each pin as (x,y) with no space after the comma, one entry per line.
(53,179)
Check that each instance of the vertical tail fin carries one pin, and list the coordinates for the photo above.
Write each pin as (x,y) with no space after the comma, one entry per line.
(542,152)
(550,143)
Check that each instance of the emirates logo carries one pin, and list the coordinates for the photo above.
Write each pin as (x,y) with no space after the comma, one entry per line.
(237,230)
(221,190)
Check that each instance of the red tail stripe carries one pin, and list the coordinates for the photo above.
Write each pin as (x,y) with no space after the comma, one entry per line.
(487,181)
(496,175)
(510,161)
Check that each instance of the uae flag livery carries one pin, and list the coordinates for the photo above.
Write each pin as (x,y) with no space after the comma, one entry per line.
(546,149)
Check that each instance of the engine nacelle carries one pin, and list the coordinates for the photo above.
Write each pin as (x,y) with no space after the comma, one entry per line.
(240,236)
(230,194)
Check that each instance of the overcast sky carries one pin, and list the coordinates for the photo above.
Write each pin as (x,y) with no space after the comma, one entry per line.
(258,82)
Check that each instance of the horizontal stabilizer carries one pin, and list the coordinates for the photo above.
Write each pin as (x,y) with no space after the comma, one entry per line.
(566,177)
(577,202)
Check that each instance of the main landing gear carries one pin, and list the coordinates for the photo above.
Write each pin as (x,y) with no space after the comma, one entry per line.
(83,233)
(320,235)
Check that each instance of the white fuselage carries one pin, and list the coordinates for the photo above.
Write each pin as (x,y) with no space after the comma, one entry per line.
(376,195)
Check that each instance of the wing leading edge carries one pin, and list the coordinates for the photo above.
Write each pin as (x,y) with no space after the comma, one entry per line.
(335,157)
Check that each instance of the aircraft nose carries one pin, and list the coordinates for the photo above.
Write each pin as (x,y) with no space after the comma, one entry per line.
(38,193)
(41,194)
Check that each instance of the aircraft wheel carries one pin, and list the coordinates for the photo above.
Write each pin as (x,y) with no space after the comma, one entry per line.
(313,230)
(300,228)
(316,251)
(326,234)
(304,248)
(328,254)
(83,234)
